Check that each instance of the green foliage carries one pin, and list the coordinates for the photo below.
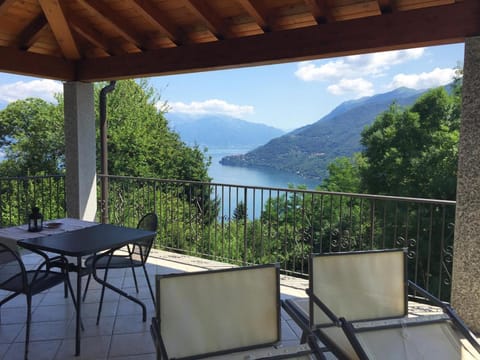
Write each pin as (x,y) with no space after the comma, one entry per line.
(344,175)
(139,141)
(240,212)
(309,150)
(139,144)
(413,152)
(31,136)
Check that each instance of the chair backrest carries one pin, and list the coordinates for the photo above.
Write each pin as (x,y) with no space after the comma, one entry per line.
(11,266)
(218,311)
(363,285)
(141,249)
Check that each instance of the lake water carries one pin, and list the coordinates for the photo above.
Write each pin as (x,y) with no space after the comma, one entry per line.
(250,177)
(236,175)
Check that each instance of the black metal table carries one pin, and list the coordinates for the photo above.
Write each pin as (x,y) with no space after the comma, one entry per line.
(84,242)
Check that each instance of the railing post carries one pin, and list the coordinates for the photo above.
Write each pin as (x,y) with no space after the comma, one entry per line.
(245,228)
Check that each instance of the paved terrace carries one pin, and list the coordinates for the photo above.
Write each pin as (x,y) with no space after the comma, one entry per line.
(121,333)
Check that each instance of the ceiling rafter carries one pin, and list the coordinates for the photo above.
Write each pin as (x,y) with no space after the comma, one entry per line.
(59,26)
(156,18)
(452,24)
(214,24)
(134,38)
(93,37)
(5,5)
(320,11)
(31,32)
(115,22)
(254,11)
(386,6)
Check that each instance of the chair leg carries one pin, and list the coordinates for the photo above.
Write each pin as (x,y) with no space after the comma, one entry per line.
(29,320)
(86,287)
(135,278)
(65,289)
(149,284)
(102,295)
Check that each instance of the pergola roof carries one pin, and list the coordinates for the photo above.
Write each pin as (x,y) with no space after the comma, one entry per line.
(92,40)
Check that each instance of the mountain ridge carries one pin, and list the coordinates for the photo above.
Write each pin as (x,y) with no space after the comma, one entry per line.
(221,131)
(309,149)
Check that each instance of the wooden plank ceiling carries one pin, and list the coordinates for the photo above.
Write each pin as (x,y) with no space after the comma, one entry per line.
(91,40)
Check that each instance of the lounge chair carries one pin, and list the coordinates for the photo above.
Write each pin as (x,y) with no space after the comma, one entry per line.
(230,313)
(358,307)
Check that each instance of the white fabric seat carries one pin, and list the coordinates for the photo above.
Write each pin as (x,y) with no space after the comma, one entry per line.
(358,307)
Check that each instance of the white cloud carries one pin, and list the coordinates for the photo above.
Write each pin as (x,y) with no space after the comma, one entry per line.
(44,89)
(354,66)
(437,77)
(212,106)
(356,87)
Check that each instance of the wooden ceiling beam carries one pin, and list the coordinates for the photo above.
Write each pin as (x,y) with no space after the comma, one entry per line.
(115,22)
(399,30)
(320,11)
(93,37)
(4,5)
(386,6)
(31,64)
(156,18)
(31,33)
(254,11)
(214,24)
(59,26)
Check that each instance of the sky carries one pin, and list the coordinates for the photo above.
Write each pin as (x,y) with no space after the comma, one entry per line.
(286,96)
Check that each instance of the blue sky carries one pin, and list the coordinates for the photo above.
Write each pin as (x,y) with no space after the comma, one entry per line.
(286,96)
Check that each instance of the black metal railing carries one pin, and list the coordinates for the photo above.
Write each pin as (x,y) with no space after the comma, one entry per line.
(19,194)
(252,225)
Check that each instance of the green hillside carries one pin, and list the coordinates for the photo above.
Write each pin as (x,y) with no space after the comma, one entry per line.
(308,150)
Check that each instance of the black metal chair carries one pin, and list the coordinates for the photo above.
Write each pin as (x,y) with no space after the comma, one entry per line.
(131,256)
(15,278)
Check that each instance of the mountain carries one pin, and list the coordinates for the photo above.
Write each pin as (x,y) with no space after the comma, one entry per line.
(308,150)
(216,131)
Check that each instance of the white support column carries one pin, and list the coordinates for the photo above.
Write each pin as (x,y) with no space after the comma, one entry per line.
(80,150)
(466,258)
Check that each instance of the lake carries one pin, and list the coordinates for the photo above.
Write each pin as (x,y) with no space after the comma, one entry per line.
(256,177)
(235,175)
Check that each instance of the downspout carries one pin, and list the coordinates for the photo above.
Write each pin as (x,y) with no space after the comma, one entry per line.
(104,150)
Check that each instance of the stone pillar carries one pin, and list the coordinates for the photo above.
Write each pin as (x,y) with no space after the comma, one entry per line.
(80,150)
(466,260)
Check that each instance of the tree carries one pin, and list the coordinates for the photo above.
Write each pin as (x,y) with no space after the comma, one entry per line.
(343,175)
(240,212)
(139,140)
(413,152)
(31,136)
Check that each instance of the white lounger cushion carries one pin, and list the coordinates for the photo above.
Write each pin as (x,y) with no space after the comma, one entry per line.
(209,312)
(437,341)
(360,286)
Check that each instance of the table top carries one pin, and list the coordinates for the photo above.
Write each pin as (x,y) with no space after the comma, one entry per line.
(86,241)
(21,232)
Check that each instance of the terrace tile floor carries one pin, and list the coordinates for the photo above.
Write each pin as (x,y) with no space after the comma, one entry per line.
(121,333)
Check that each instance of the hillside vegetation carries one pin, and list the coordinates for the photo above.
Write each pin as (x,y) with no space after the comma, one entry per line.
(308,150)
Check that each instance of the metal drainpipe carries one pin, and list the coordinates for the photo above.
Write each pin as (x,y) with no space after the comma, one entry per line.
(103,148)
